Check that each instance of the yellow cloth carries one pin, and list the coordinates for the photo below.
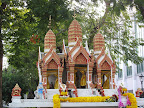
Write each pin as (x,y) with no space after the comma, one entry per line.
(106,83)
(48,86)
(83,79)
(56,84)
(75,71)
(74,78)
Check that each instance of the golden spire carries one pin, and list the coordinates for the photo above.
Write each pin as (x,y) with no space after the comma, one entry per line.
(74,16)
(49,25)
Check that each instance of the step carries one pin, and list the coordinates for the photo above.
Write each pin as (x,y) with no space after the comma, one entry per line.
(86,92)
(51,92)
(110,92)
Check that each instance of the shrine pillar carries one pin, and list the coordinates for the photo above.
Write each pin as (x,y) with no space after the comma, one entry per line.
(99,78)
(45,80)
(113,78)
(71,71)
(89,72)
(60,71)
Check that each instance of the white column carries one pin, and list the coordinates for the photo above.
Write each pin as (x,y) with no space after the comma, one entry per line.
(124,75)
(134,71)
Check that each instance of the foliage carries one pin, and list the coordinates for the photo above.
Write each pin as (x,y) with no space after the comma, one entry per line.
(60,18)
(115,25)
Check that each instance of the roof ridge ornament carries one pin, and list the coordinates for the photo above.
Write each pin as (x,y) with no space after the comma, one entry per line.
(74,16)
(49,25)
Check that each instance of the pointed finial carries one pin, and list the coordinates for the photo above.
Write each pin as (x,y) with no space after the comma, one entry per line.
(49,26)
(74,16)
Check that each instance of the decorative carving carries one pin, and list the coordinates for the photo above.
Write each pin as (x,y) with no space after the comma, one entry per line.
(105,66)
(80,59)
(52,65)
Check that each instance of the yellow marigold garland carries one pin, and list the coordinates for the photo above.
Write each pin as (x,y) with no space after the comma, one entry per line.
(56,101)
(132,100)
(64,93)
(88,99)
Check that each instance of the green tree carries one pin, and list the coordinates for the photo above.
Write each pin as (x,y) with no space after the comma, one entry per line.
(9,12)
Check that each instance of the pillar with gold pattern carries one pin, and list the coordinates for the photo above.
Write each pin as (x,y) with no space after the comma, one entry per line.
(90,71)
(113,78)
(71,69)
(60,74)
(99,78)
(45,80)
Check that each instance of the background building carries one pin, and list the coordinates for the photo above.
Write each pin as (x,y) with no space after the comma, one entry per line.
(129,76)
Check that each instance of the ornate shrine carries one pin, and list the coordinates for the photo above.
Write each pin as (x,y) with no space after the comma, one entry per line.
(76,66)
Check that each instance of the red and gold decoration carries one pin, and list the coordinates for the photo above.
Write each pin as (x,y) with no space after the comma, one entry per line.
(35,39)
(138,92)
(16,91)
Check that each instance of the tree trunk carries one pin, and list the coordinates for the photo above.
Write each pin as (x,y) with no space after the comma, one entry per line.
(1,61)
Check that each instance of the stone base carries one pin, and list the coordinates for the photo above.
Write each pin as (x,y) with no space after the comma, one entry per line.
(16,99)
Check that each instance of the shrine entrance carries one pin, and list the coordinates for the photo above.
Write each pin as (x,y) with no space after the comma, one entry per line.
(80,76)
(105,79)
(52,79)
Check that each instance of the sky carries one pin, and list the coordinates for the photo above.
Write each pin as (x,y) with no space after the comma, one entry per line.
(5,62)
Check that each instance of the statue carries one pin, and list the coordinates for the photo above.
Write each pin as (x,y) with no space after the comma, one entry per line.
(83,79)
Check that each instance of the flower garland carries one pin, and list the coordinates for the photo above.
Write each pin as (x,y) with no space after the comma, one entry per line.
(64,93)
(87,99)
(132,100)
(56,101)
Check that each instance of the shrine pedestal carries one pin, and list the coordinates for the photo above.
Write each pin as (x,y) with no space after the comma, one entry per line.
(16,99)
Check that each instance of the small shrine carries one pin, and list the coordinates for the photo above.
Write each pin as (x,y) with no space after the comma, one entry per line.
(76,66)
(16,91)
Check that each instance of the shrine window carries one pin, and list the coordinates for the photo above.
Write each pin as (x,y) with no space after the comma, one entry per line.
(120,73)
(140,67)
(129,70)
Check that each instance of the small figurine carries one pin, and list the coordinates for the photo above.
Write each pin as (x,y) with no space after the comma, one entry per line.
(63,92)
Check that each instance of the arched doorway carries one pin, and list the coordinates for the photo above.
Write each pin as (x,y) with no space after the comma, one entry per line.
(105,75)
(80,77)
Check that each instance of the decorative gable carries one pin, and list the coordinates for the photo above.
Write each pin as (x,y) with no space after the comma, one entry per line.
(80,59)
(52,65)
(105,66)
